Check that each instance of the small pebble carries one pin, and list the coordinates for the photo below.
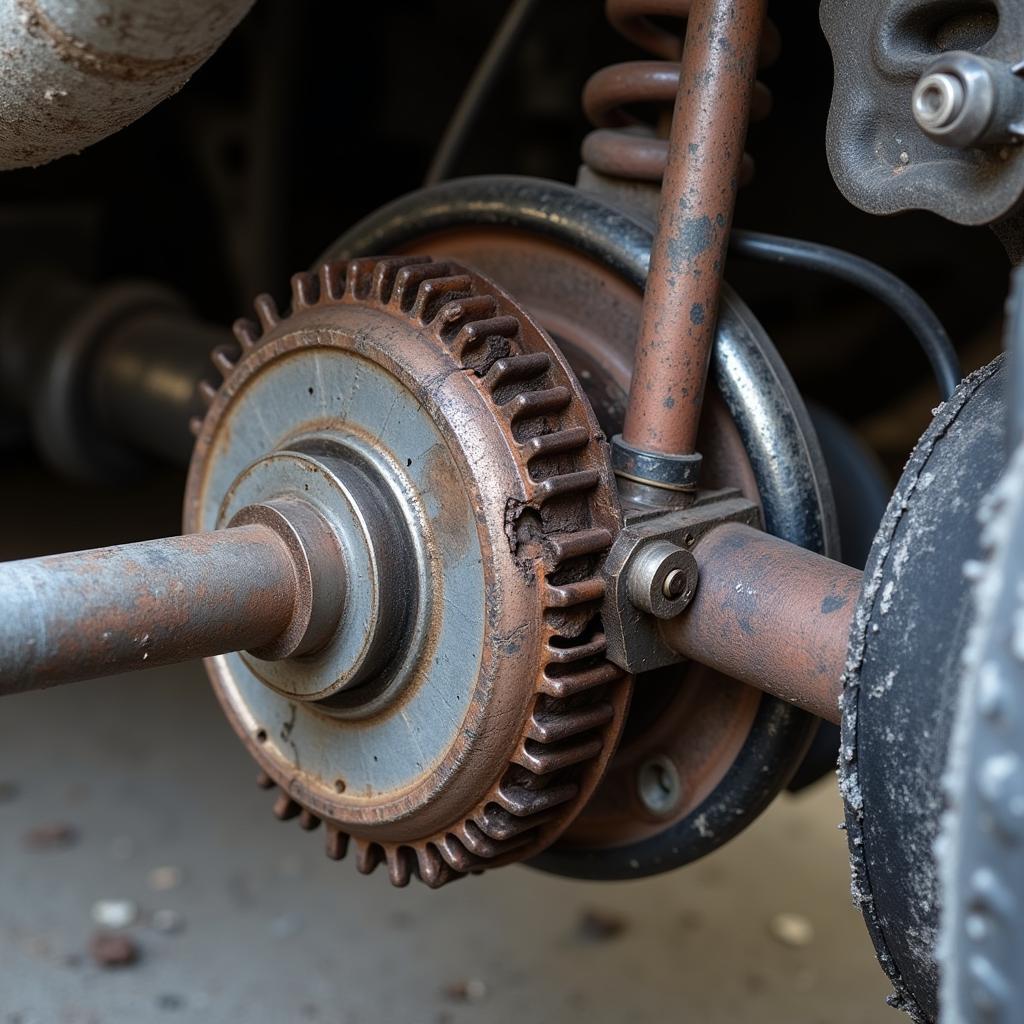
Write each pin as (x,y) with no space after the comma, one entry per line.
(471,990)
(600,925)
(56,835)
(111,950)
(115,913)
(164,878)
(167,921)
(792,929)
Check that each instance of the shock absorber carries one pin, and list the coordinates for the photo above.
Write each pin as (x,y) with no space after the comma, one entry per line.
(622,145)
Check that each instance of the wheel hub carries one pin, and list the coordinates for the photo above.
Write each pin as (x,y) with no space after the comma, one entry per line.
(459,710)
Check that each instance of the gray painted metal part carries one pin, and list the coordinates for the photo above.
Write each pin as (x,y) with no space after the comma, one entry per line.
(881,158)
(76,71)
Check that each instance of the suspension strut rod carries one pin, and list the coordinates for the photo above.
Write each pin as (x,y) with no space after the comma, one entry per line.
(680,308)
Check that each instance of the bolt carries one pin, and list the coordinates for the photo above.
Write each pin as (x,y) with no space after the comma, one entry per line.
(938,100)
(662,579)
(675,584)
(658,785)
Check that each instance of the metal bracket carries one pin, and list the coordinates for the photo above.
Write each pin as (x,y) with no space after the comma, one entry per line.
(632,634)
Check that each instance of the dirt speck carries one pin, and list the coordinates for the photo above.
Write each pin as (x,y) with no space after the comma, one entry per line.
(597,925)
(54,835)
(109,949)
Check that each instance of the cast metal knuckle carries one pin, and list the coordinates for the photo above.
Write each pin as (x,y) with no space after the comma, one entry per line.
(650,549)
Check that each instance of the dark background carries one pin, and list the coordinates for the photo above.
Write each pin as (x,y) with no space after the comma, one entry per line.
(315,113)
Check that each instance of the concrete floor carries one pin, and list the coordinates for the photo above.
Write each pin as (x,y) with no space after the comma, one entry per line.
(149,776)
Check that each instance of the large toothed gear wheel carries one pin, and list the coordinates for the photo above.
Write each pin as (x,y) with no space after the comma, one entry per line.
(459,710)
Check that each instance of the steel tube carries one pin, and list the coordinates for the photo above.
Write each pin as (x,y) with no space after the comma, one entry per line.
(771,615)
(93,613)
(680,310)
(145,380)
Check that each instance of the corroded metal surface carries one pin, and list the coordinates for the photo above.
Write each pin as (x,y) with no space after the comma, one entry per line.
(709,127)
(93,613)
(75,73)
(770,614)
(508,711)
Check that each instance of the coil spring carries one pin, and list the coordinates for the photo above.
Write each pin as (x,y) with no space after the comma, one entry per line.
(622,145)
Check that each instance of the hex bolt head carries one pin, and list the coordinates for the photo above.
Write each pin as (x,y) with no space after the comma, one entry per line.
(662,579)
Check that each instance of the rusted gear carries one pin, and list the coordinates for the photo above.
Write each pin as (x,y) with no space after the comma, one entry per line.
(508,497)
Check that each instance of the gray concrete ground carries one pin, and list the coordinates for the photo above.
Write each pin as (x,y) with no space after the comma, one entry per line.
(148,776)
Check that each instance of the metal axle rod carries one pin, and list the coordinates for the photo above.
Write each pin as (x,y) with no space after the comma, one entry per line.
(94,613)
(770,614)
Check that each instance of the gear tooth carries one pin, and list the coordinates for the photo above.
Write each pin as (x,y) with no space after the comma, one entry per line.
(571,683)
(359,276)
(496,823)
(332,280)
(565,484)
(285,808)
(543,760)
(305,290)
(495,333)
(308,820)
(455,855)
(523,802)
(514,369)
(532,404)
(207,393)
(264,781)
(266,311)
(573,651)
(400,866)
(558,442)
(224,359)
(409,279)
(570,595)
(578,544)
(247,332)
(547,727)
(368,856)
(336,845)
(453,315)
(434,293)
(386,270)
(195,426)
(480,844)
(432,870)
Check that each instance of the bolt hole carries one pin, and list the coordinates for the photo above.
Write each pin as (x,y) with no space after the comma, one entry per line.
(261,735)
(689,540)
(310,390)
(658,786)
(339,786)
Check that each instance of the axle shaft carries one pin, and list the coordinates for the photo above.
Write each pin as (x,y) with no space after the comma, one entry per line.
(93,613)
(770,614)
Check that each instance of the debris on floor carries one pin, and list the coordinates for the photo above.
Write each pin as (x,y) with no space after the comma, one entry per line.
(109,949)
(115,913)
(469,990)
(596,925)
(55,835)
(792,929)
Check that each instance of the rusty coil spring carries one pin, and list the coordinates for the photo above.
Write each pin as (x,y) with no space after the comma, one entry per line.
(622,145)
